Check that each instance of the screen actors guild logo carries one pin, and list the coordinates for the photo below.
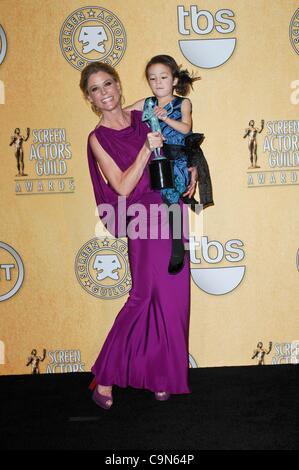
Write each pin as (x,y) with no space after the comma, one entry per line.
(102,268)
(260,353)
(65,360)
(50,152)
(286,353)
(92,34)
(251,133)
(17,141)
(34,360)
(281,145)
(93,38)
(294,31)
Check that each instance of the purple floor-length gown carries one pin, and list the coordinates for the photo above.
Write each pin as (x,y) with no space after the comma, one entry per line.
(147,346)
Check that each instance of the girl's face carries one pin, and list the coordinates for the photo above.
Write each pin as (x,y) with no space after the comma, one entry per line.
(103,91)
(160,80)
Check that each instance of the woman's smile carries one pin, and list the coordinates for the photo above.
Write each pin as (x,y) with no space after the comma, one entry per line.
(105,100)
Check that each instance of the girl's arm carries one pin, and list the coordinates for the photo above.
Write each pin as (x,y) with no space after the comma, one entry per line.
(191,188)
(138,106)
(185,125)
(123,182)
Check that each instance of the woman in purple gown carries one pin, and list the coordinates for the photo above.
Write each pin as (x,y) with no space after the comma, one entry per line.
(147,346)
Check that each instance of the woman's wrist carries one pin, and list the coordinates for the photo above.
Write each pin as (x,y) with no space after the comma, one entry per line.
(147,149)
(146,145)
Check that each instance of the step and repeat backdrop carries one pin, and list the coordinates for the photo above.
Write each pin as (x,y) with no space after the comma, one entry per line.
(56,303)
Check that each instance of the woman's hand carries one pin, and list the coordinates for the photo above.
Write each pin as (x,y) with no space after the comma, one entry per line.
(192,185)
(161,113)
(154,140)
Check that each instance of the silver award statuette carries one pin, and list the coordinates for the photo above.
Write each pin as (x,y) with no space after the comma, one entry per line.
(160,168)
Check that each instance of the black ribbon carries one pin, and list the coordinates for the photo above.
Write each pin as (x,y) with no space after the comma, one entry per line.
(195,157)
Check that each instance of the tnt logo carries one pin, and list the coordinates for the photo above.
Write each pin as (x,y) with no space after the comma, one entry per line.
(2,353)
(3,44)
(11,271)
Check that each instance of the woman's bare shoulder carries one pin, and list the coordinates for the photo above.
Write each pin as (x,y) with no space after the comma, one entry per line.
(95,142)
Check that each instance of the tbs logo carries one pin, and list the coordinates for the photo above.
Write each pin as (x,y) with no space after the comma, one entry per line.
(217,281)
(206,52)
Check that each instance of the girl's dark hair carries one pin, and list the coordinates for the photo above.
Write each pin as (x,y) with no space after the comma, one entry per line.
(95,67)
(185,80)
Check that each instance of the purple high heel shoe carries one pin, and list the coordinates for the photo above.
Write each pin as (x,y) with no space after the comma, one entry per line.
(162,396)
(98,398)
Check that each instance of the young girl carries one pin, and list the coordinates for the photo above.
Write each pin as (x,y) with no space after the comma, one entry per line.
(164,77)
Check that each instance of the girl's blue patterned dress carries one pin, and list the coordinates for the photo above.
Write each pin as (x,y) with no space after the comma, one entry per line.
(180,169)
